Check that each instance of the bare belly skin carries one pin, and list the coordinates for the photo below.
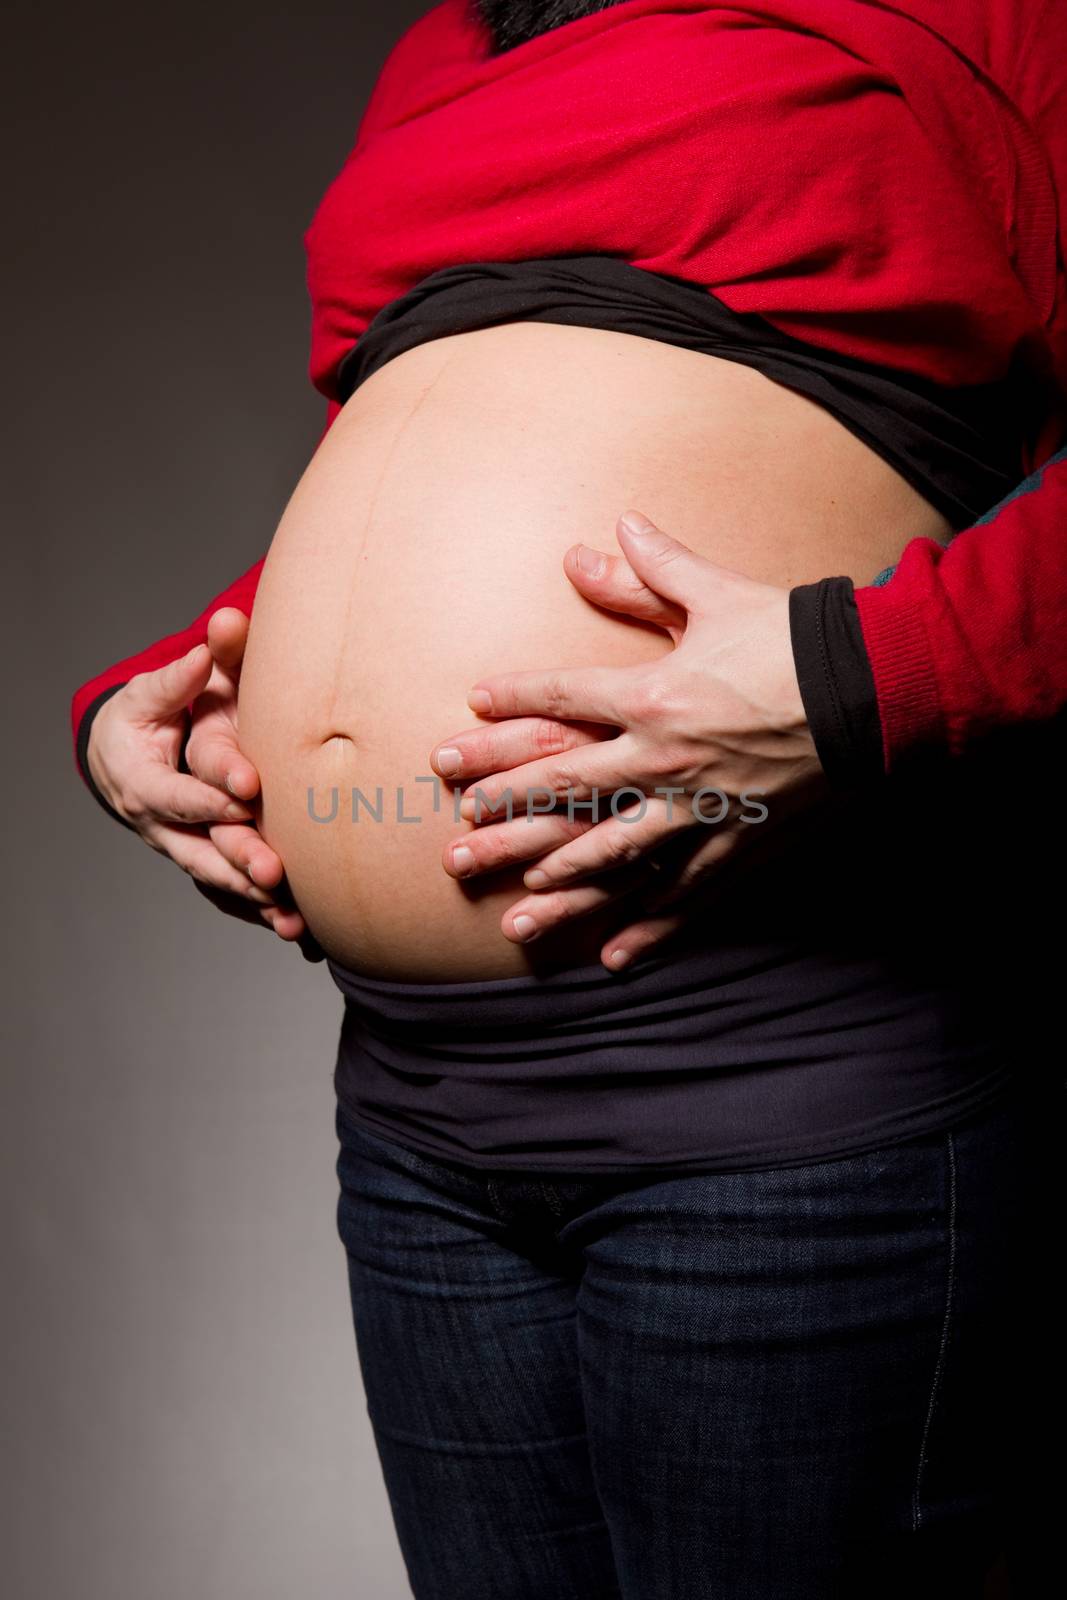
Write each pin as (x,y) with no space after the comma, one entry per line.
(422,549)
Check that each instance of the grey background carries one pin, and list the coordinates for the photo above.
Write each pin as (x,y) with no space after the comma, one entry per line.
(182,1410)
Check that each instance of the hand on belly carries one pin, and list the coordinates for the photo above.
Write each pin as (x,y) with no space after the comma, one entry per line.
(713,743)
(423,550)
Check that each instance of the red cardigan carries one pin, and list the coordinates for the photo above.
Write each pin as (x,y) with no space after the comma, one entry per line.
(877,179)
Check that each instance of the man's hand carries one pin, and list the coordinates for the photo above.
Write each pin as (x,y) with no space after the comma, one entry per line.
(722,714)
(198,818)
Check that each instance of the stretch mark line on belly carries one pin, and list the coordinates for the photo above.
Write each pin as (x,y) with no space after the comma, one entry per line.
(415,407)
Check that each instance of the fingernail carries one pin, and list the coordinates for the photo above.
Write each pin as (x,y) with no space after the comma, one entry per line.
(251,874)
(480,700)
(525,927)
(229,783)
(449,761)
(463,860)
(535,878)
(237,813)
(590,561)
(618,959)
(635,523)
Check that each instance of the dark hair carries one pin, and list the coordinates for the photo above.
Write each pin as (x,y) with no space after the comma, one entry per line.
(514,22)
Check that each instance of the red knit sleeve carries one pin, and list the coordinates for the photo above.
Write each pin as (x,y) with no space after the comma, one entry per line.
(970,638)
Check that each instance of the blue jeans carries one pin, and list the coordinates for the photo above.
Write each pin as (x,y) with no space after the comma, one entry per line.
(803,1383)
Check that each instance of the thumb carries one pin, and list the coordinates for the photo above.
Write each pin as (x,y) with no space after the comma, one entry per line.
(611,582)
(664,564)
(227,635)
(157,696)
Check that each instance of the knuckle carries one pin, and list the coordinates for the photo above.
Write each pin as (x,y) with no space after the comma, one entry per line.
(565,868)
(665,555)
(560,906)
(496,848)
(550,737)
(132,807)
(240,851)
(563,779)
(653,701)
(622,847)
(555,697)
(643,699)
(663,759)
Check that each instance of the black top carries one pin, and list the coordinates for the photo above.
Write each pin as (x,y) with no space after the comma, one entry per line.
(960,448)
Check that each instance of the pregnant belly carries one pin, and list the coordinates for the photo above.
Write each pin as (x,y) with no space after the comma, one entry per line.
(422,549)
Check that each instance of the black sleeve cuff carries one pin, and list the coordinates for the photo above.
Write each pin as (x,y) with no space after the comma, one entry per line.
(82,751)
(836,682)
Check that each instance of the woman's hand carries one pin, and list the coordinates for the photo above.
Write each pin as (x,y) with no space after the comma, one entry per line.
(199,818)
(717,727)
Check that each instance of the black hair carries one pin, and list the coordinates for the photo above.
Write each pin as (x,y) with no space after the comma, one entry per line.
(514,22)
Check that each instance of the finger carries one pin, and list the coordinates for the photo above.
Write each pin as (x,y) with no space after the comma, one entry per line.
(608,766)
(289,925)
(666,565)
(669,907)
(622,838)
(637,939)
(170,796)
(310,948)
(227,635)
(611,582)
(211,753)
(251,855)
(535,915)
(585,694)
(501,745)
(197,855)
(523,839)
(705,869)
(248,852)
(160,695)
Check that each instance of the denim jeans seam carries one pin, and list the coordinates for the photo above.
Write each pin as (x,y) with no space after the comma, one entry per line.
(946,1328)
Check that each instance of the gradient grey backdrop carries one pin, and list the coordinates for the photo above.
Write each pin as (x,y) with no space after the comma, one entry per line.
(182,1411)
